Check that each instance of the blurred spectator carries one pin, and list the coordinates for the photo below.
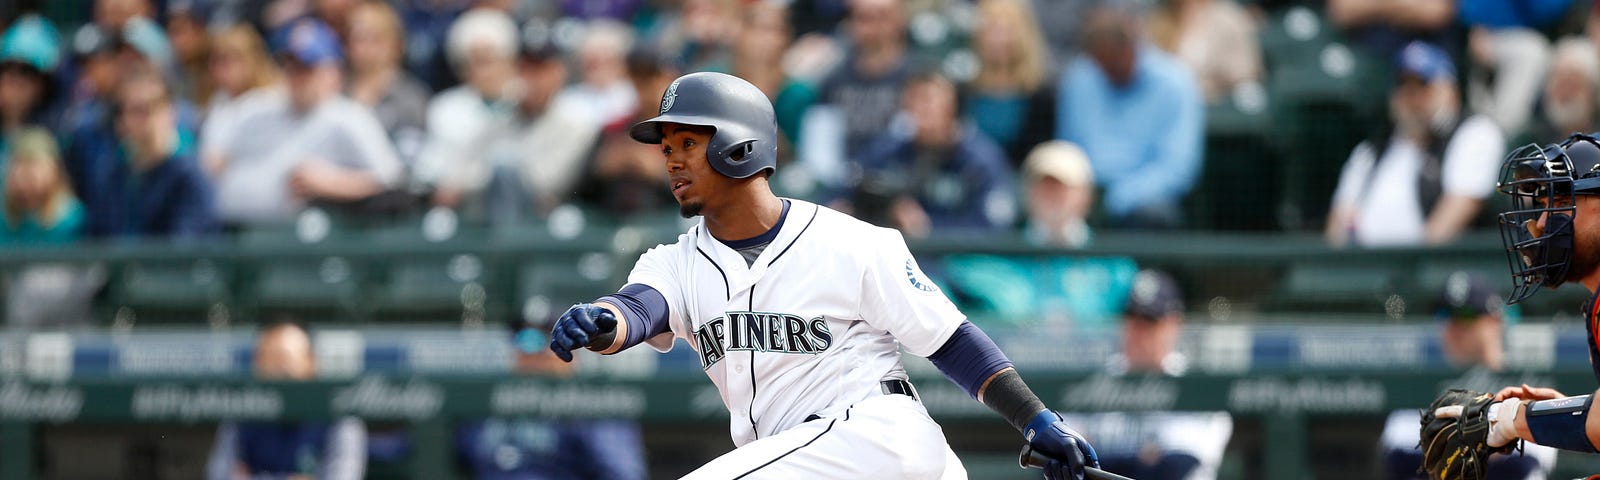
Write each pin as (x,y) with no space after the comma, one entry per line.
(1215,38)
(483,48)
(305,449)
(932,173)
(1060,193)
(627,177)
(702,33)
(1383,27)
(310,145)
(376,80)
(1470,313)
(111,15)
(1571,100)
(530,160)
(1510,55)
(1138,114)
(1425,181)
(427,24)
(39,205)
(240,68)
(1082,292)
(94,53)
(539,449)
(38,208)
(1062,22)
(618,10)
(186,30)
(29,52)
(153,187)
(1011,98)
(862,94)
(1155,445)
(758,58)
(603,74)
(336,13)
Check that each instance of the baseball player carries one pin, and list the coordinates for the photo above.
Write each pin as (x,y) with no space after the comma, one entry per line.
(798,314)
(1552,234)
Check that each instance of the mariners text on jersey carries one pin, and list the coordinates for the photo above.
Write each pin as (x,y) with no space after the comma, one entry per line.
(760,332)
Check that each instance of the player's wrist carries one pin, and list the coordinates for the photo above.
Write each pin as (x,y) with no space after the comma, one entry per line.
(607,343)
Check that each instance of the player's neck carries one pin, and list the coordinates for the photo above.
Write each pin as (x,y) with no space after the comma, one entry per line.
(752,212)
(1591,280)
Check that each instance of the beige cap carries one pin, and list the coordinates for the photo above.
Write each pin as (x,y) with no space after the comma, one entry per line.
(1060,160)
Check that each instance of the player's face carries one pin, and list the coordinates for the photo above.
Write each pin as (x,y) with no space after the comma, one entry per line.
(691,177)
(1586,233)
(1467,341)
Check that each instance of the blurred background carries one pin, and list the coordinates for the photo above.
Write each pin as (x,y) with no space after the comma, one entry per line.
(1239,239)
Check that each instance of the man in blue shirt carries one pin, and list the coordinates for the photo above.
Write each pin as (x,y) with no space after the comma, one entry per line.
(151,187)
(1137,112)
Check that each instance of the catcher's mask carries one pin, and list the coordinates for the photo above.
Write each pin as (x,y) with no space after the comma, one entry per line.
(1541,181)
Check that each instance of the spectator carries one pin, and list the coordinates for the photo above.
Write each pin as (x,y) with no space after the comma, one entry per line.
(1156,445)
(1060,291)
(153,188)
(336,14)
(531,448)
(111,15)
(603,74)
(1064,22)
(1010,97)
(1571,101)
(29,51)
(1471,318)
(38,208)
(1060,193)
(1138,114)
(1425,181)
(94,53)
(530,160)
(483,48)
(862,94)
(186,30)
(702,34)
(427,24)
(1510,55)
(758,58)
(39,205)
(308,146)
(305,449)
(1215,38)
(240,68)
(376,80)
(1383,27)
(626,176)
(935,173)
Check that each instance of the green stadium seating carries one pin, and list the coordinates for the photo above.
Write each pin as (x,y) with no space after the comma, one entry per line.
(307,288)
(188,291)
(444,285)
(1333,287)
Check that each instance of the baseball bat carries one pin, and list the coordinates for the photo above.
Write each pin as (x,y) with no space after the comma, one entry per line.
(1032,459)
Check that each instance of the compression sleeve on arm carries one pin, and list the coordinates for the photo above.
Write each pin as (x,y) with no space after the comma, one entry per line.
(972,360)
(645,310)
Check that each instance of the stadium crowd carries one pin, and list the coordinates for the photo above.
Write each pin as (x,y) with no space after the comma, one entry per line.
(180,119)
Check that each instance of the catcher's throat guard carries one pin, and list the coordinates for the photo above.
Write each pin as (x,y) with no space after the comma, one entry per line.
(1560,423)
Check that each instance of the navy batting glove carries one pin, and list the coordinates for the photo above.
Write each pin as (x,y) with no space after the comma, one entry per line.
(579,327)
(1068,451)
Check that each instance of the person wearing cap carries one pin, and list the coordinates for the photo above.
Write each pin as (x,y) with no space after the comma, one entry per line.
(29,54)
(482,47)
(1423,182)
(1471,314)
(377,43)
(528,448)
(312,145)
(1156,445)
(1138,113)
(1059,186)
(529,160)
(930,172)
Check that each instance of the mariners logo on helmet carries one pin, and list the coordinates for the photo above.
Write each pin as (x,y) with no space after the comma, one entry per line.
(671,96)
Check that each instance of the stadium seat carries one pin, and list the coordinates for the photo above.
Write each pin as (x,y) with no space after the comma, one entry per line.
(1239,153)
(451,282)
(305,287)
(1328,287)
(190,291)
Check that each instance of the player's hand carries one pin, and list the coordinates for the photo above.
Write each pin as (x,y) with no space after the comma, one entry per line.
(582,325)
(1068,451)
(1525,392)
(1502,420)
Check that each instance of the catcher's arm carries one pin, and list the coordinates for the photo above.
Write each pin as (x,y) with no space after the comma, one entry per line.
(1567,423)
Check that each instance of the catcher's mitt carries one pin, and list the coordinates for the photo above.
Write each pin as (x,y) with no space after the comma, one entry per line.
(1455,448)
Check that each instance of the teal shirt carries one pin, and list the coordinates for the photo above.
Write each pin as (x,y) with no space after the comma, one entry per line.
(1085,292)
(28,231)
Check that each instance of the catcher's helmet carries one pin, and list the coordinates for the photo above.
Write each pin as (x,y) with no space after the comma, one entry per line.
(746,137)
(1541,181)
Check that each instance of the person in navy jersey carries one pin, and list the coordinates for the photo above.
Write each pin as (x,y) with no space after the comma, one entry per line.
(153,186)
(324,450)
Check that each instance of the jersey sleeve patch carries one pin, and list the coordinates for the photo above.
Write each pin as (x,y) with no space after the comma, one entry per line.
(918,280)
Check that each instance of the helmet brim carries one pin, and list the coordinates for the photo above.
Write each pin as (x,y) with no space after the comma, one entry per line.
(649,131)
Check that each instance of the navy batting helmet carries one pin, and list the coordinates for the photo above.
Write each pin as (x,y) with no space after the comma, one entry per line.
(1541,181)
(746,137)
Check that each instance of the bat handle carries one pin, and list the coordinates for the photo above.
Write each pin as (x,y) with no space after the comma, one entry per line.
(1032,459)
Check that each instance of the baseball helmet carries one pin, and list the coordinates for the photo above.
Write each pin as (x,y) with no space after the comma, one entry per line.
(746,138)
(1541,181)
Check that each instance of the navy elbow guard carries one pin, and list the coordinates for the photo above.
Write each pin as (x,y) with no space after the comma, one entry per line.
(1561,423)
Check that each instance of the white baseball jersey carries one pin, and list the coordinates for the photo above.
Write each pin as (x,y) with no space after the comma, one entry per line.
(811,327)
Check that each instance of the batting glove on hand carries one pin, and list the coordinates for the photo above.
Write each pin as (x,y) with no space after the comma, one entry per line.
(1069,452)
(580,326)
